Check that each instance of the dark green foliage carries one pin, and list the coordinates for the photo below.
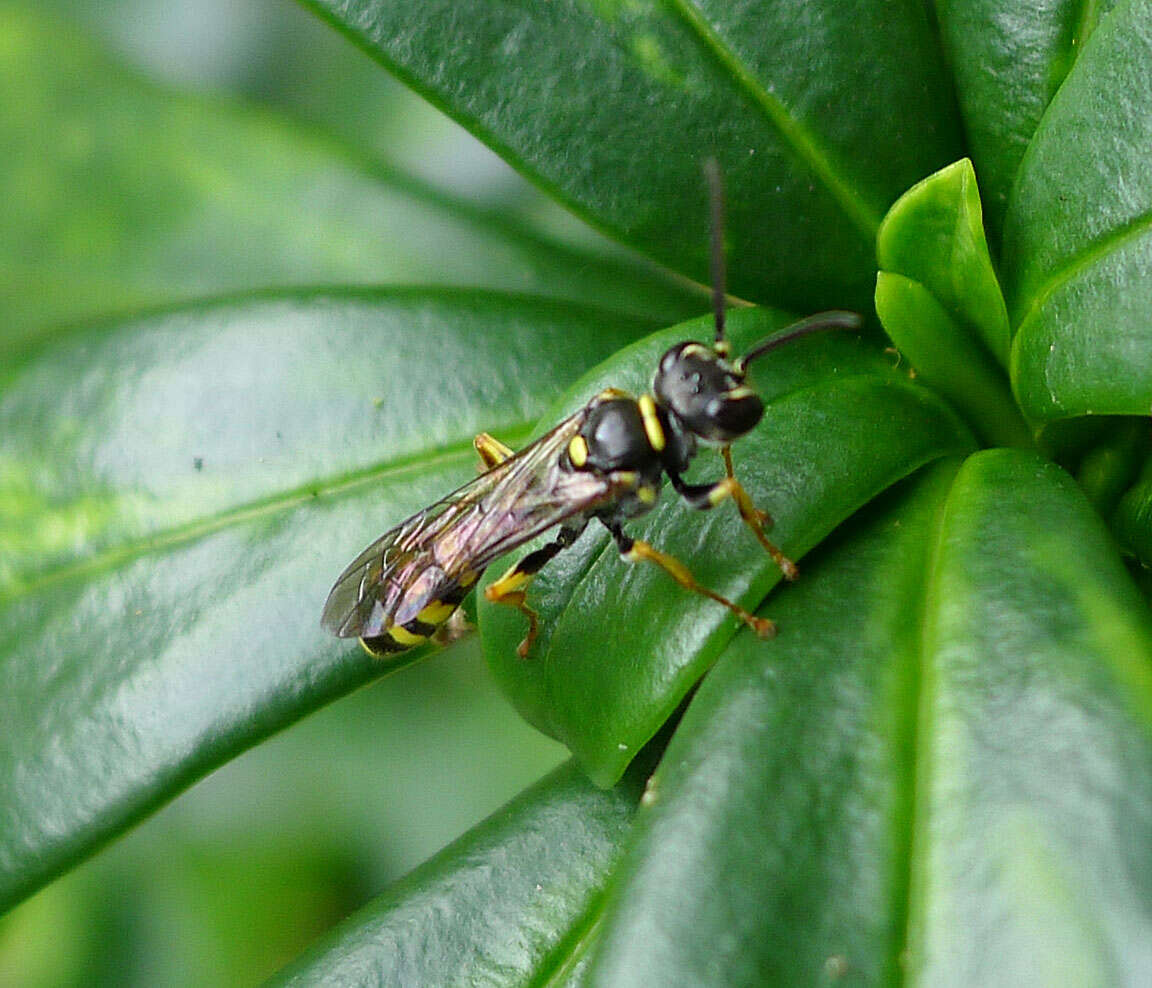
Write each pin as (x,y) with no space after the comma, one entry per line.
(940,771)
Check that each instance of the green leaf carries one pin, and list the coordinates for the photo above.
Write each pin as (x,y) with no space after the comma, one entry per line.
(612,106)
(946,780)
(1113,463)
(1008,58)
(947,358)
(938,298)
(507,902)
(773,844)
(934,234)
(116,192)
(178,492)
(1033,798)
(602,679)
(1078,244)
(940,771)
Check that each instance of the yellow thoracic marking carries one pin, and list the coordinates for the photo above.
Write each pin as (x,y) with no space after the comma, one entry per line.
(647,494)
(652,426)
(741,392)
(578,451)
(404,637)
(692,349)
(436,612)
(609,393)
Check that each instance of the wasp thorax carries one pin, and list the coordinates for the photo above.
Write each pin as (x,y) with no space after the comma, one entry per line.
(615,437)
(704,391)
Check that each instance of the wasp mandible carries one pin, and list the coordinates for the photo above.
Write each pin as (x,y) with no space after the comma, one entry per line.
(606,462)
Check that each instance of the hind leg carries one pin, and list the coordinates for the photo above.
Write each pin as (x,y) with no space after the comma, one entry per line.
(511,588)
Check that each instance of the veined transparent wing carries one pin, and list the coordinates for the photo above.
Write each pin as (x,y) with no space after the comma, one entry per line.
(440,552)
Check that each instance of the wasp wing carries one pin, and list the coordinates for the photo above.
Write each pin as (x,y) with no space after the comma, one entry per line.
(351,601)
(438,553)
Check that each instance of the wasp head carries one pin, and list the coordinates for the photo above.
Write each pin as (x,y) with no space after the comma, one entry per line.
(706,393)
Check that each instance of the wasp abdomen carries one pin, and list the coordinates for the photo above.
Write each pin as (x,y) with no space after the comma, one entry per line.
(427,603)
(401,637)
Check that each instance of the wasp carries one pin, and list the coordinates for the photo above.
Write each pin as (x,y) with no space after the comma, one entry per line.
(605,463)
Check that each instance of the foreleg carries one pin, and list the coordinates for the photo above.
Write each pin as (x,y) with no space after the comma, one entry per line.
(705,496)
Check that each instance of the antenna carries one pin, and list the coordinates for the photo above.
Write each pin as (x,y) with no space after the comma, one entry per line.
(719,274)
(834,319)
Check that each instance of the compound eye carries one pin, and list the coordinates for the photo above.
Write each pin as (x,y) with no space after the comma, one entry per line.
(734,413)
(687,377)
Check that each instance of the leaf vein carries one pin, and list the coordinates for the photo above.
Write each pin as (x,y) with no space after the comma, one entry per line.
(115,556)
(1136,228)
(864,217)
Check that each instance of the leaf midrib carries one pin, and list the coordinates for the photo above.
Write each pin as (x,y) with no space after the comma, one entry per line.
(1096,251)
(864,217)
(922,735)
(112,557)
(575,947)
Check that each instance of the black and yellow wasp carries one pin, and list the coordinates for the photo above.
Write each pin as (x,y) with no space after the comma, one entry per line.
(606,462)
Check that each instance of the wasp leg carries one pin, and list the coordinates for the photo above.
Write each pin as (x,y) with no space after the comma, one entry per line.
(705,496)
(755,519)
(511,588)
(491,450)
(634,550)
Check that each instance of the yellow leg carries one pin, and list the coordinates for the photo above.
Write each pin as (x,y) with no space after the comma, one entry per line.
(510,589)
(753,517)
(498,594)
(680,573)
(491,450)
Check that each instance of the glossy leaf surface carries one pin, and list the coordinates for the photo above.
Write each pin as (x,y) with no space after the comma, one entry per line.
(938,299)
(945,356)
(503,905)
(603,682)
(1035,750)
(1008,58)
(938,772)
(1078,245)
(934,234)
(104,208)
(946,782)
(972,738)
(613,106)
(180,492)
(804,747)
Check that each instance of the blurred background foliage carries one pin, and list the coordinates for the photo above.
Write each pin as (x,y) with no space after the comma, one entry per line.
(232,880)
(276,53)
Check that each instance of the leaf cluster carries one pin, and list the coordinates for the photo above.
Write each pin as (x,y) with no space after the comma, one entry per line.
(939,772)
